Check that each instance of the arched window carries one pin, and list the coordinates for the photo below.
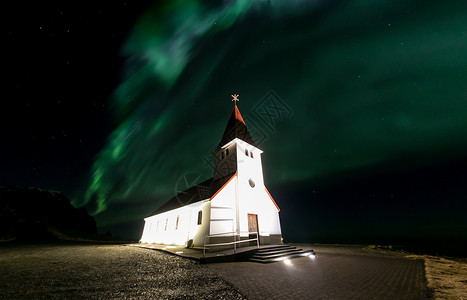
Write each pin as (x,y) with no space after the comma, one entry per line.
(227,152)
(222,155)
(176,222)
(200,217)
(246,152)
(166,222)
(251,154)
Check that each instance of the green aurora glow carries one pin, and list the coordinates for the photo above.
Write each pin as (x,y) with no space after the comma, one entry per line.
(369,83)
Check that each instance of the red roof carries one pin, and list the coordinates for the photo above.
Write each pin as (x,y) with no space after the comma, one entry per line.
(278,209)
(237,114)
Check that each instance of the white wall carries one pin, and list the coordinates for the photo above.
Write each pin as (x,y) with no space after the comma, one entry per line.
(223,210)
(200,231)
(156,231)
(254,200)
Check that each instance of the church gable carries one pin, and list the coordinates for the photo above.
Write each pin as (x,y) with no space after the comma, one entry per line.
(218,185)
(223,209)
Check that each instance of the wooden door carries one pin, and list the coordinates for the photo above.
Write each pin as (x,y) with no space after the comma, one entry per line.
(253,227)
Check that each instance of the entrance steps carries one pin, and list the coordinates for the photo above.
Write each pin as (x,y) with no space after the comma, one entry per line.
(277,253)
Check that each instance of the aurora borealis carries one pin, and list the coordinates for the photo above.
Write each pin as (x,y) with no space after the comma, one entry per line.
(369,86)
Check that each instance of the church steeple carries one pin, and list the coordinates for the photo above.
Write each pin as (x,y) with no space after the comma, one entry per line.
(236,127)
(236,144)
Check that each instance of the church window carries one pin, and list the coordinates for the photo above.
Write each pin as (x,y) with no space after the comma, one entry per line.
(166,222)
(176,222)
(246,152)
(222,155)
(227,152)
(251,154)
(200,217)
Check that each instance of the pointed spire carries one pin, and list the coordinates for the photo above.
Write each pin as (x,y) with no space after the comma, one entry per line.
(237,114)
(236,127)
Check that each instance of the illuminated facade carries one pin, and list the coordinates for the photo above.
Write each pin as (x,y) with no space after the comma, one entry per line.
(234,203)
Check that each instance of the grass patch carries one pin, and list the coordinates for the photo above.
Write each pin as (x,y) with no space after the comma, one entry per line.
(447,278)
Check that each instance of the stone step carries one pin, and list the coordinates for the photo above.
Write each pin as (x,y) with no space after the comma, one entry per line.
(275,254)
(276,251)
(272,260)
(273,248)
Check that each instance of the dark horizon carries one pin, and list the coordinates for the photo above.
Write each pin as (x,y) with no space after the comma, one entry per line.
(420,210)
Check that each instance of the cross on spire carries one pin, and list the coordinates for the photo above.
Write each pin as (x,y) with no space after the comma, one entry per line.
(235,98)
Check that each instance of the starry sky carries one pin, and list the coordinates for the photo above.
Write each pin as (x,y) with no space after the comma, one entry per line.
(359,107)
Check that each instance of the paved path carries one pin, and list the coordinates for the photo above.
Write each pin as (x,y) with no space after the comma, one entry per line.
(328,276)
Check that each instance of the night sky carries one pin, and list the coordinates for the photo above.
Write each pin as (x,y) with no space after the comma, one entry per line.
(360,108)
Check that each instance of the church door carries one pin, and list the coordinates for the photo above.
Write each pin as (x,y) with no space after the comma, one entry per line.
(253,227)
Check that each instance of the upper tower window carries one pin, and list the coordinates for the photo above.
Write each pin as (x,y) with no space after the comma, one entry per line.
(246,152)
(227,152)
(222,155)
(251,154)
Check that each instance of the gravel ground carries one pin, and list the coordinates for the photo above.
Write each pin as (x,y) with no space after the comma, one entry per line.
(105,272)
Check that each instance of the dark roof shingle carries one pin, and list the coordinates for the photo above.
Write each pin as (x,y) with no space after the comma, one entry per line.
(196,193)
(236,128)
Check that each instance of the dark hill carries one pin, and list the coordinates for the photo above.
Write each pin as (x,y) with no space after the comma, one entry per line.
(34,214)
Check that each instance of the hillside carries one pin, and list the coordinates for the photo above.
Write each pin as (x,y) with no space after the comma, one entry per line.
(32,214)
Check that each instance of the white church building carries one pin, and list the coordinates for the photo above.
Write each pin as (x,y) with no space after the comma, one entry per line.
(233,205)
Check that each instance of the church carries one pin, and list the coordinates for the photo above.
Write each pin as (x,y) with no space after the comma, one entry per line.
(234,205)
